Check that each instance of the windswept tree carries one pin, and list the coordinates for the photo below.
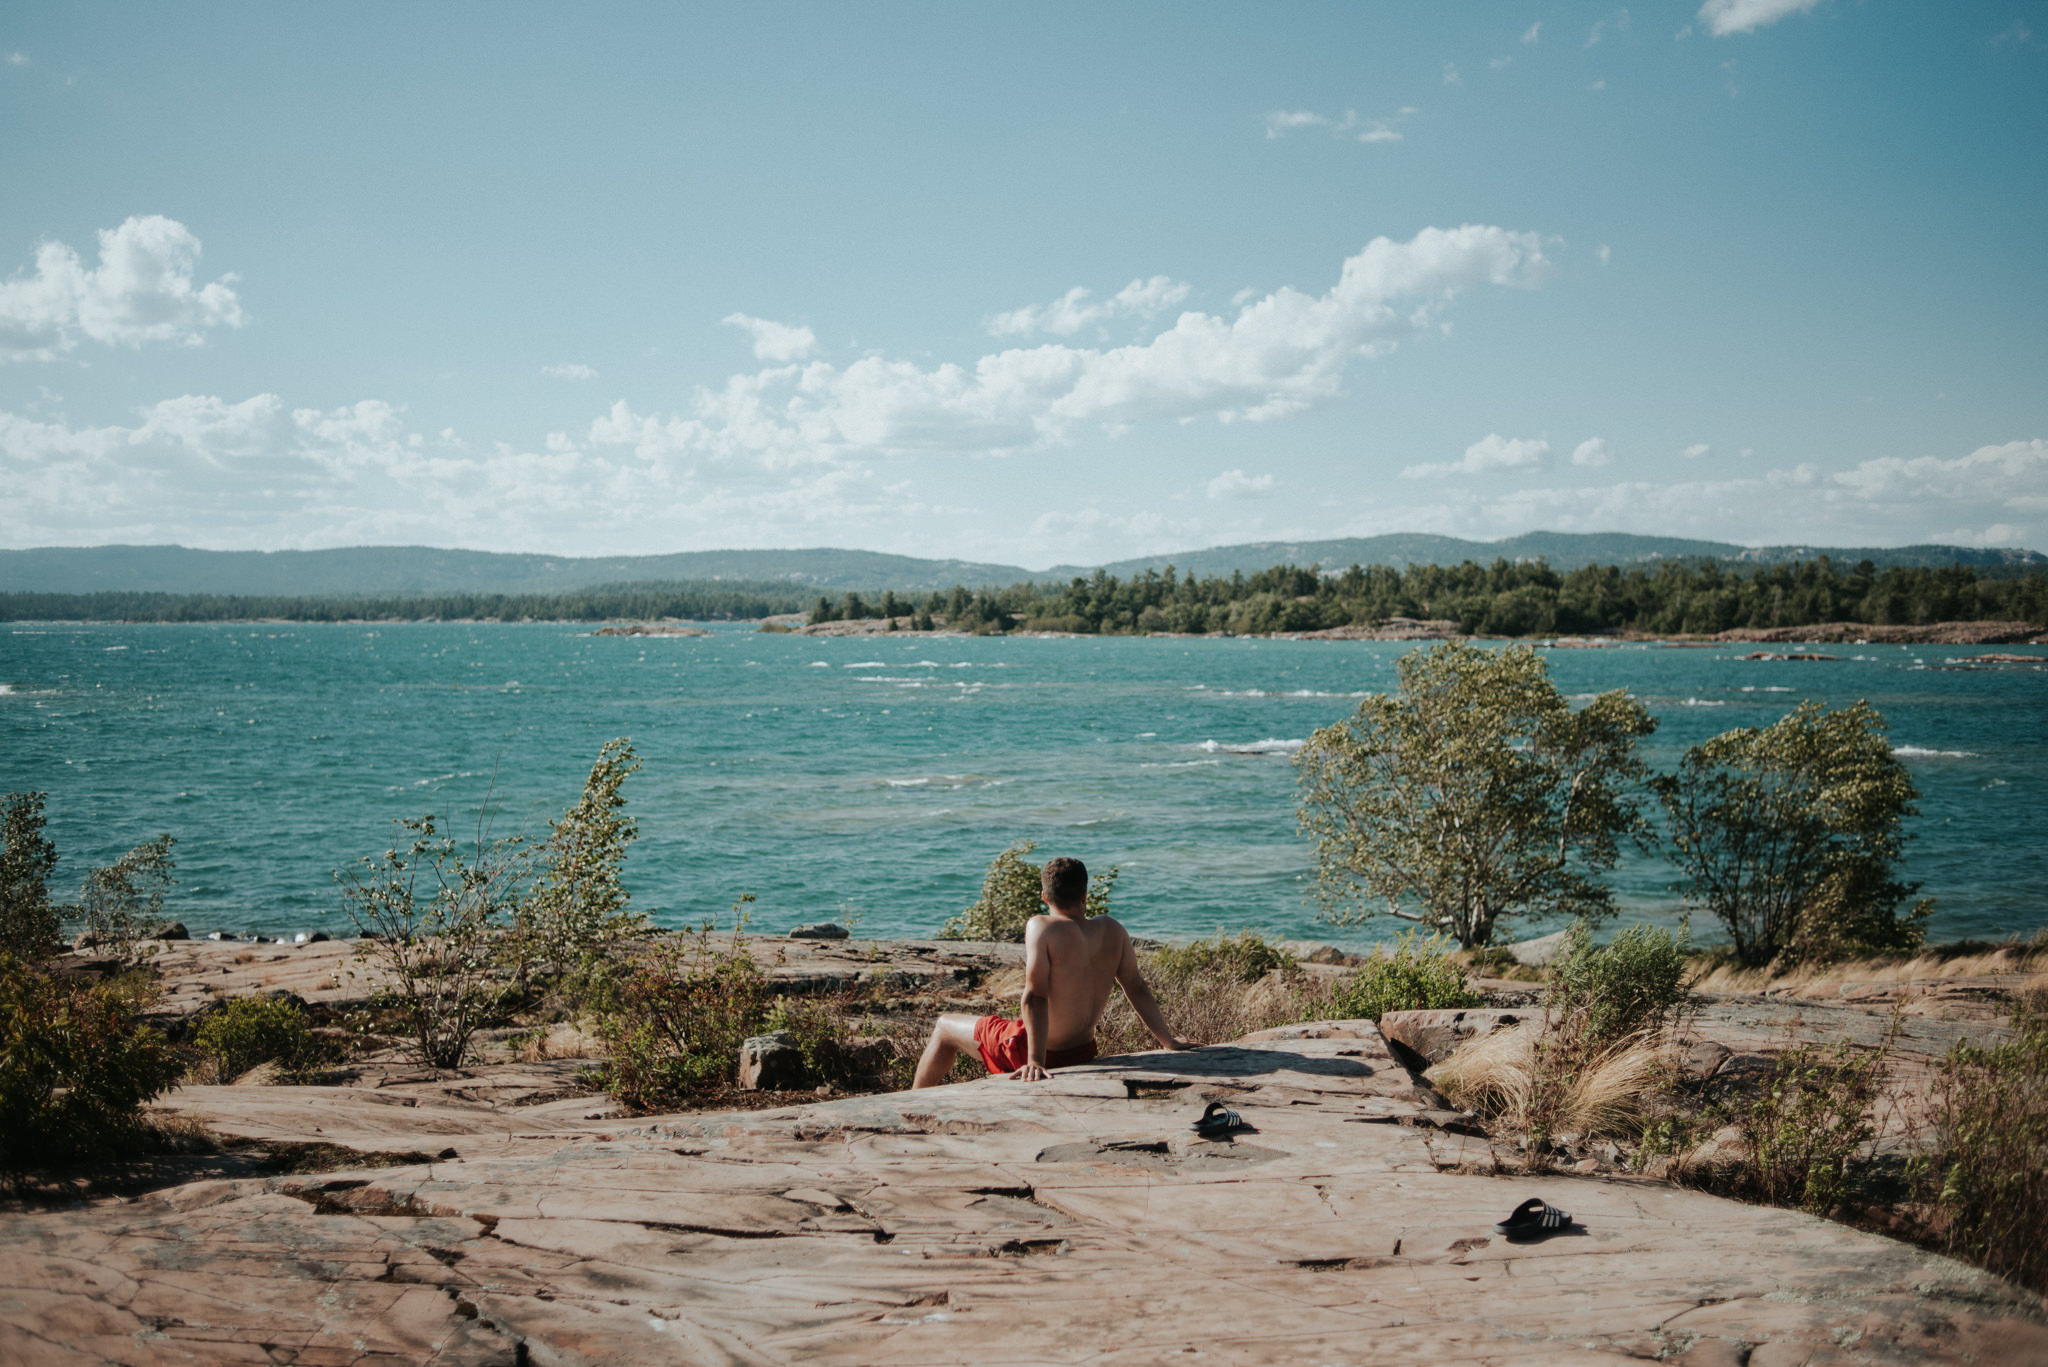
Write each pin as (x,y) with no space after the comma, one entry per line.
(577,910)
(1791,835)
(29,920)
(1472,794)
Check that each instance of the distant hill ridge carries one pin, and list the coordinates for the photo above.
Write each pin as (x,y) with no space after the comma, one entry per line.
(400,570)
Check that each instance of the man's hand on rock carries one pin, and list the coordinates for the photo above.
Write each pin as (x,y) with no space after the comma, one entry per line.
(1030,1072)
(1179,1043)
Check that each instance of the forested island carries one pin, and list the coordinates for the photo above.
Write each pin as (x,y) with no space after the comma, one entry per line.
(1507,599)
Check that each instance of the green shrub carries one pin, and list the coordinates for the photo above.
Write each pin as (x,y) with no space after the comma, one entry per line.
(254,1030)
(29,922)
(1801,1132)
(123,903)
(1635,982)
(673,1028)
(1244,957)
(1419,975)
(575,914)
(1009,898)
(1988,1173)
(76,1066)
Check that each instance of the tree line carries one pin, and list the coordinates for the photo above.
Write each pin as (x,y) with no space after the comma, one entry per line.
(698,602)
(1501,599)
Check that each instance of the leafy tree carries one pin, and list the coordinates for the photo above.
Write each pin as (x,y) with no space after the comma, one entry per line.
(1791,835)
(123,902)
(1010,898)
(576,911)
(29,921)
(1474,793)
(429,916)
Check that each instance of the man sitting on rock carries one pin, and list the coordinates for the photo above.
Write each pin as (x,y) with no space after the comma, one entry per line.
(1070,962)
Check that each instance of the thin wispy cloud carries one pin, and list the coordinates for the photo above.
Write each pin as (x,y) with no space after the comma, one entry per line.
(1451,76)
(1490,454)
(571,371)
(1533,32)
(774,341)
(1078,309)
(1237,484)
(1592,453)
(142,291)
(1724,17)
(1697,450)
(1349,125)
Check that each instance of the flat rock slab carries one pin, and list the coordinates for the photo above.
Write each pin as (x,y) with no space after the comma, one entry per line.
(1075,1220)
(196,973)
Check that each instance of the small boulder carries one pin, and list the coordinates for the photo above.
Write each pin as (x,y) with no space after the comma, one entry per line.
(1539,952)
(1314,952)
(85,940)
(171,930)
(1703,1060)
(821,930)
(773,1062)
(266,1074)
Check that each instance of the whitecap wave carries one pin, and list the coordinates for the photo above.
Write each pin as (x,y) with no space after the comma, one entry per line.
(1702,702)
(1922,752)
(1182,764)
(819,664)
(865,664)
(1269,746)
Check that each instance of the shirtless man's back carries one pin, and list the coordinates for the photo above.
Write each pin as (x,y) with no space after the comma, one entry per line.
(1070,964)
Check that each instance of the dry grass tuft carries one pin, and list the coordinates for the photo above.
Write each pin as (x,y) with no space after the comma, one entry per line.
(1521,1078)
(1992,961)
(1214,1007)
(566,1039)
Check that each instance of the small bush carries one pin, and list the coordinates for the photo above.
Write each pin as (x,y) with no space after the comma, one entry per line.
(254,1030)
(1009,898)
(1545,1083)
(1244,957)
(29,922)
(1801,1132)
(1419,975)
(1988,1173)
(123,903)
(1634,983)
(673,1028)
(576,914)
(76,1066)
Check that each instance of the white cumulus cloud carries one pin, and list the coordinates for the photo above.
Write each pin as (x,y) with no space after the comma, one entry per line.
(1490,453)
(1592,453)
(1723,17)
(573,370)
(1533,32)
(1696,450)
(141,291)
(1077,308)
(775,341)
(1237,484)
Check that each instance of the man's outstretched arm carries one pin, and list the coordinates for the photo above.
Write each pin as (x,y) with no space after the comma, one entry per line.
(1037,1004)
(1144,1003)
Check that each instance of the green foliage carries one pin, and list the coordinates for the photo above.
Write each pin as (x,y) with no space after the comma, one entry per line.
(29,922)
(1635,982)
(76,1066)
(675,1025)
(1502,598)
(1988,1172)
(1244,957)
(123,903)
(1790,835)
(253,1030)
(1809,1122)
(575,914)
(429,916)
(816,1030)
(1474,793)
(1419,975)
(1010,898)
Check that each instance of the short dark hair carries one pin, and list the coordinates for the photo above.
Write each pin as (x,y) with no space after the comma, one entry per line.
(1063,882)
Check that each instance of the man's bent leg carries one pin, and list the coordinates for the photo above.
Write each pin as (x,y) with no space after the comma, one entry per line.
(953,1033)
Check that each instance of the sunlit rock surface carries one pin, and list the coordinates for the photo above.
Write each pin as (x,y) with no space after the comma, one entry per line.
(1077,1220)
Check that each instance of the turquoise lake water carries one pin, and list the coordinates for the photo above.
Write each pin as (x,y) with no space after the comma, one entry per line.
(873,778)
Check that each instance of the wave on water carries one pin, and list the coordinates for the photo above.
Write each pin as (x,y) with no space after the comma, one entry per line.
(943,781)
(1268,746)
(819,664)
(6,689)
(1920,752)
(1702,702)
(1181,764)
(1766,688)
(1290,693)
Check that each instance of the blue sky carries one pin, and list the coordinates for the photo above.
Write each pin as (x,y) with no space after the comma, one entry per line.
(1037,284)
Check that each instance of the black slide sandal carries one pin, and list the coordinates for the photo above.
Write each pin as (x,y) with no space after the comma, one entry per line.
(1533,1219)
(1218,1120)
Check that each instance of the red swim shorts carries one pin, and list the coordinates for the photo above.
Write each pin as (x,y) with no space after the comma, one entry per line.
(1004,1049)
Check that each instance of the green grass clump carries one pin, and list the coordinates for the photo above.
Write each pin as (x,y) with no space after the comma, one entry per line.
(1418,975)
(1244,957)
(1634,982)
(249,1031)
